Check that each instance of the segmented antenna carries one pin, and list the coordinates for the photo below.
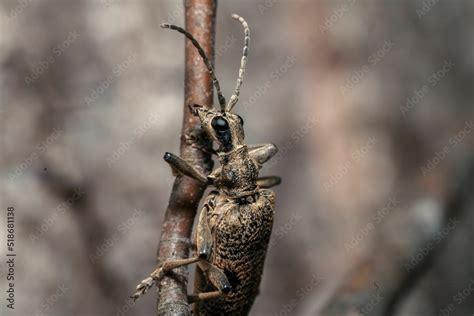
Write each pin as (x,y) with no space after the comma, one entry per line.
(220,97)
(243,62)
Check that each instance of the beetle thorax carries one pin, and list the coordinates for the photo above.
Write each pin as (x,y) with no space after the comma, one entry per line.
(239,172)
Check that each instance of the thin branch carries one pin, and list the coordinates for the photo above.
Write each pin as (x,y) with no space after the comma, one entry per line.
(186,193)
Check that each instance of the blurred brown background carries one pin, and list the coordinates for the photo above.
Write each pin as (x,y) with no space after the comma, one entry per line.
(370,103)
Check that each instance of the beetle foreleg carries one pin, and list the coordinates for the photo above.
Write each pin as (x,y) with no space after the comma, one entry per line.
(179,164)
(268,182)
(262,152)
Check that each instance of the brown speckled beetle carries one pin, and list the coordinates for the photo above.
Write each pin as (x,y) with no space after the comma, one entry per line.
(235,222)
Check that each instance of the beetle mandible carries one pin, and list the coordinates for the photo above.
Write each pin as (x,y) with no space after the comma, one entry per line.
(235,222)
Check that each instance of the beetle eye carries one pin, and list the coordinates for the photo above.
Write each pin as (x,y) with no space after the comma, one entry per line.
(219,124)
(241,120)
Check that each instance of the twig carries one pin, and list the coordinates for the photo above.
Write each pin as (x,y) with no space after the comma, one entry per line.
(186,194)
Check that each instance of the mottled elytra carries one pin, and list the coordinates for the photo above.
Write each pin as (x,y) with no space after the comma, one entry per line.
(235,222)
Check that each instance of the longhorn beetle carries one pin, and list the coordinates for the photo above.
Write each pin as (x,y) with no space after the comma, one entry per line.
(235,222)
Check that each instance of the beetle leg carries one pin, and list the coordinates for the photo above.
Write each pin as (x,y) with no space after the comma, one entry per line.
(203,296)
(203,240)
(179,164)
(218,279)
(262,152)
(195,142)
(162,269)
(215,176)
(204,149)
(215,275)
(193,108)
(203,235)
(268,182)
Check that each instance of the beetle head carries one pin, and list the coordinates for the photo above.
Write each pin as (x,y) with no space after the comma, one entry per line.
(224,127)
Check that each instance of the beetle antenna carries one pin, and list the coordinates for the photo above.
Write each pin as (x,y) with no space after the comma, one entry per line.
(243,62)
(220,97)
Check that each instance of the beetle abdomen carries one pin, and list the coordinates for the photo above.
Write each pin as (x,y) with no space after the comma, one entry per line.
(241,233)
